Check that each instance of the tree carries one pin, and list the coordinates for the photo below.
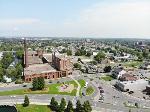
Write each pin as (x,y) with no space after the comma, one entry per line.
(62,105)
(79,59)
(107,69)
(99,56)
(26,101)
(19,70)
(63,51)
(19,54)
(78,53)
(87,107)
(93,62)
(1,73)
(145,54)
(54,104)
(38,83)
(78,106)
(69,107)
(77,65)
(35,84)
(88,54)
(7,60)
(69,52)
(140,57)
(41,83)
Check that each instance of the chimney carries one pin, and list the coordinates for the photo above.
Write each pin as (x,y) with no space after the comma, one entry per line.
(26,53)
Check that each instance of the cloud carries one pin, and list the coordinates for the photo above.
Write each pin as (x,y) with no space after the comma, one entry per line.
(110,19)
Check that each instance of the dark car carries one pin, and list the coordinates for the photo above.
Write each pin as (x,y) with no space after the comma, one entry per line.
(130,92)
(83,94)
(101,91)
(100,87)
(24,86)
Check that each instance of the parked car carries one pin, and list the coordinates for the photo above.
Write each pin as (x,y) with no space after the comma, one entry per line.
(100,87)
(130,92)
(101,91)
(24,86)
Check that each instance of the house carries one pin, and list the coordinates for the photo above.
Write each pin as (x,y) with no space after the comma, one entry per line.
(118,72)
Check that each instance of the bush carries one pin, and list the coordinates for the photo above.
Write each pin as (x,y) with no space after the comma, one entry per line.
(26,101)
(18,82)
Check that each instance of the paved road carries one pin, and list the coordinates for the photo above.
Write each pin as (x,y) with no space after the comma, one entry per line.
(110,104)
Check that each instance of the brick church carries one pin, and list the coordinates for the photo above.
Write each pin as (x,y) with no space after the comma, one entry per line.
(49,66)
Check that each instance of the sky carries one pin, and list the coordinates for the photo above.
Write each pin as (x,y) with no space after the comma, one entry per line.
(75,18)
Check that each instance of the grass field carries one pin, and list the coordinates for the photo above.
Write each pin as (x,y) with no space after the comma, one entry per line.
(33,108)
(107,78)
(82,83)
(51,89)
(132,64)
(89,90)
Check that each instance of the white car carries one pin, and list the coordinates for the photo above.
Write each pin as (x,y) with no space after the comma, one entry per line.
(86,84)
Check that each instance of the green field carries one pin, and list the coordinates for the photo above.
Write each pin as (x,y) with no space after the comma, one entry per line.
(107,78)
(132,64)
(51,89)
(33,108)
(89,90)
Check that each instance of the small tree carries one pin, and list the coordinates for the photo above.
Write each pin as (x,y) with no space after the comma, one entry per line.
(69,52)
(136,104)
(77,65)
(26,101)
(54,104)
(129,110)
(78,106)
(69,107)
(62,105)
(87,107)
(107,69)
(88,54)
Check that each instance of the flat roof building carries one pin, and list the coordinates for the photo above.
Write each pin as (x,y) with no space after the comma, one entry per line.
(132,85)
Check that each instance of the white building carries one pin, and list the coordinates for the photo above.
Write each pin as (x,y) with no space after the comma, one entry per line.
(132,85)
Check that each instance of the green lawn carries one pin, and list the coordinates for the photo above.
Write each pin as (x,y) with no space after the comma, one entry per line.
(107,78)
(51,89)
(89,90)
(82,83)
(132,64)
(33,108)
(54,90)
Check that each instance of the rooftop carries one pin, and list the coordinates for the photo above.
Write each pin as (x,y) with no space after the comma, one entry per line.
(38,69)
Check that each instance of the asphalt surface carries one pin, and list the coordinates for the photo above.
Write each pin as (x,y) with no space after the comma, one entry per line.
(113,99)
